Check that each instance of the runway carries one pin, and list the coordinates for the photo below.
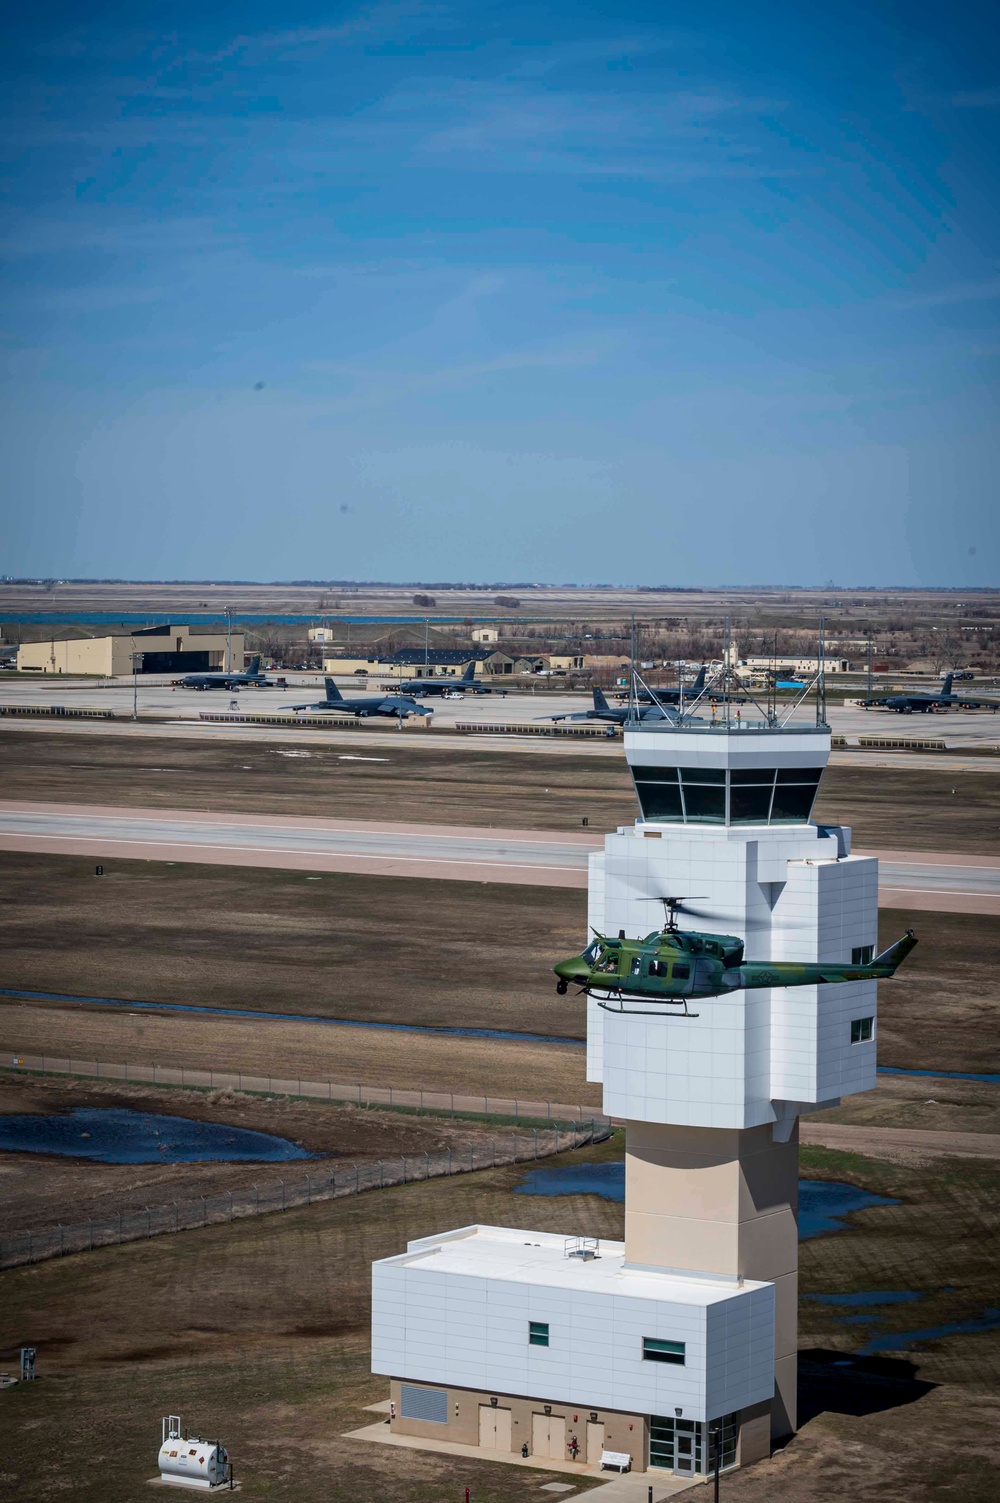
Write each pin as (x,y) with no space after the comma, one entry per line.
(917,880)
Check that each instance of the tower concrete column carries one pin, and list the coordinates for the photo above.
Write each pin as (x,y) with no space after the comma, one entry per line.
(722,1204)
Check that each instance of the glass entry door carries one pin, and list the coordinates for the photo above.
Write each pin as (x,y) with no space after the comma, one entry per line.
(683,1446)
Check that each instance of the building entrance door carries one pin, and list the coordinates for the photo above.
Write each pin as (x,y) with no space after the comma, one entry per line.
(595,1443)
(494,1428)
(548,1436)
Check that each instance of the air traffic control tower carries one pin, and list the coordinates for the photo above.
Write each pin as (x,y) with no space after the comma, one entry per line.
(499,1338)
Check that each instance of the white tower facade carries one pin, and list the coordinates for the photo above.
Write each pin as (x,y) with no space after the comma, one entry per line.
(514,1337)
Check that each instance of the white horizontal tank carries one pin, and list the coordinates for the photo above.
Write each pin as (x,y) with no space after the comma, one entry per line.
(188,1461)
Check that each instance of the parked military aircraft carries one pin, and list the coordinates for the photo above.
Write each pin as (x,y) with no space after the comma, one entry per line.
(467,684)
(672,965)
(603,711)
(251,679)
(398,706)
(905,704)
(669,696)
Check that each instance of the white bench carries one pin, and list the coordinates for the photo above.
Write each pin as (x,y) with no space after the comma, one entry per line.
(621,1461)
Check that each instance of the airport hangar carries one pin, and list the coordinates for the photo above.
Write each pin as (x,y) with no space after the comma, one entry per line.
(119,651)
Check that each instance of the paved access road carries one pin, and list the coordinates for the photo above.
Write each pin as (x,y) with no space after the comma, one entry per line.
(962,884)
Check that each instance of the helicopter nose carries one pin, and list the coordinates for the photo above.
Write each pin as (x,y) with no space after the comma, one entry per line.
(575,969)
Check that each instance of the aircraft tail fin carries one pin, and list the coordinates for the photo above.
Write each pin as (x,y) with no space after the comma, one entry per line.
(332,692)
(600,703)
(254,665)
(896,954)
(699,683)
(470,672)
(946,686)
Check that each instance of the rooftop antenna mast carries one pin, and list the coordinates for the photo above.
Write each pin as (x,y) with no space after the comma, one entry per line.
(821,674)
(631,672)
(727,643)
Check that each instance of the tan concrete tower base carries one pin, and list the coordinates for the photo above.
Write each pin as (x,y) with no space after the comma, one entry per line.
(724,1203)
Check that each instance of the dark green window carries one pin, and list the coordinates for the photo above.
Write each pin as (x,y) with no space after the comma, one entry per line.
(704,805)
(654,1350)
(862,1029)
(538,1333)
(659,800)
(749,806)
(792,804)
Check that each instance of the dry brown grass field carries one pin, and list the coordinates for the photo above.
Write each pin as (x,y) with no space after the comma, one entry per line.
(890,808)
(390,950)
(258,1332)
(42,1190)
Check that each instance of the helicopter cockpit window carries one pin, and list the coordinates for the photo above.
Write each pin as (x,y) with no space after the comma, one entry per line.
(592,951)
(608,961)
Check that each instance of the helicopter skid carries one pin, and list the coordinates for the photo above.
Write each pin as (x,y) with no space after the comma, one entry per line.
(637,1012)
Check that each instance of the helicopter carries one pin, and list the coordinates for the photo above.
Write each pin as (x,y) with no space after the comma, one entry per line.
(672,965)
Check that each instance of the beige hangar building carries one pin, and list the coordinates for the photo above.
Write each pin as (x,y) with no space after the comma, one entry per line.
(148,649)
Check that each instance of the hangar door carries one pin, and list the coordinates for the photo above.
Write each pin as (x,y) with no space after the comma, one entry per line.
(175,662)
(548,1436)
(494,1428)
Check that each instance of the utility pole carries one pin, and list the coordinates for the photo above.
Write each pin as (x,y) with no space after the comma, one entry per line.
(871,649)
(229,638)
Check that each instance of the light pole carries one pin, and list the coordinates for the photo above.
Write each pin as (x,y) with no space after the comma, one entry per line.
(135,681)
(229,638)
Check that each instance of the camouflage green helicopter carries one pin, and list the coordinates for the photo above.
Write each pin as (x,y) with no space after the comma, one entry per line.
(674,965)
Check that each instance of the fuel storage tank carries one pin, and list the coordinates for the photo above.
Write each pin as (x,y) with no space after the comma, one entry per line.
(189,1461)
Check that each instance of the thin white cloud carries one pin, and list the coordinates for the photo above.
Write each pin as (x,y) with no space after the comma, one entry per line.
(957,293)
(976,99)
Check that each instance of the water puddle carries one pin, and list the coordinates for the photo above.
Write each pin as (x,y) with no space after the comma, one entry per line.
(823,1204)
(112,1135)
(940,1074)
(295,1017)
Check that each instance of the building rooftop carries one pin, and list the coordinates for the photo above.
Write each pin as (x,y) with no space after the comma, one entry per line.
(540,1258)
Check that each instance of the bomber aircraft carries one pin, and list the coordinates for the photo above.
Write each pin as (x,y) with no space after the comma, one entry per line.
(398,706)
(905,704)
(674,966)
(467,684)
(603,711)
(251,679)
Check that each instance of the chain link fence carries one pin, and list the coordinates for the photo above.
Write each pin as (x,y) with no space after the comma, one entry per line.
(451,1103)
(284,1195)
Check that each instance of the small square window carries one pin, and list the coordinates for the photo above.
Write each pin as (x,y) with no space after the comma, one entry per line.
(654,1350)
(863,955)
(862,1029)
(538,1333)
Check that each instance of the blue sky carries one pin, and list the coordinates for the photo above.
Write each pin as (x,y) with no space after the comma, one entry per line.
(676,293)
